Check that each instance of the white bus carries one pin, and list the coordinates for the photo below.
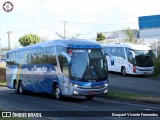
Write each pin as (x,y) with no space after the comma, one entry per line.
(132,59)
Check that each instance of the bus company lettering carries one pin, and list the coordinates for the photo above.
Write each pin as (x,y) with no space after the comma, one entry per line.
(39,69)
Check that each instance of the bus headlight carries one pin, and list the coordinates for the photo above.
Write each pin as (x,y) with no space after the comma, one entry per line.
(106,85)
(75,85)
(75,92)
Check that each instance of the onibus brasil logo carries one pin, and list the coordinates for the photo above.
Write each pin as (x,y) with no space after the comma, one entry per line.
(8,6)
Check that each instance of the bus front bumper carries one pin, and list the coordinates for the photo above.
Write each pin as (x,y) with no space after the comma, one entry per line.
(79,91)
(144,71)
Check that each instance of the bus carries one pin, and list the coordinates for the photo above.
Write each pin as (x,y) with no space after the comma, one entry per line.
(59,67)
(132,59)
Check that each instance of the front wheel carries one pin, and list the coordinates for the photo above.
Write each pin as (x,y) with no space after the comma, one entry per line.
(57,93)
(89,97)
(123,71)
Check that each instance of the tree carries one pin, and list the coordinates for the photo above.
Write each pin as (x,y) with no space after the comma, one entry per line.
(100,37)
(131,35)
(29,39)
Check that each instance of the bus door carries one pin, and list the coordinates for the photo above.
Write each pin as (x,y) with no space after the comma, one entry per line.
(65,61)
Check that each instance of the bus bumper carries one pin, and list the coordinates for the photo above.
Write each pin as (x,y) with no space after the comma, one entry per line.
(144,71)
(78,91)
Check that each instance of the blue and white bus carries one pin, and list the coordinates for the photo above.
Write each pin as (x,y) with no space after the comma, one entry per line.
(132,59)
(59,67)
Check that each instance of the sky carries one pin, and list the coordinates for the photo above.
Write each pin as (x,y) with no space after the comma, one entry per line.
(82,17)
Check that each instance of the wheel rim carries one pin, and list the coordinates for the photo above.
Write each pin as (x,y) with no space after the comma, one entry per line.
(20,89)
(124,71)
(16,88)
(57,93)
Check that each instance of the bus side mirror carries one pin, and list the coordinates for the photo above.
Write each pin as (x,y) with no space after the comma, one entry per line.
(155,54)
(133,54)
(63,54)
(111,58)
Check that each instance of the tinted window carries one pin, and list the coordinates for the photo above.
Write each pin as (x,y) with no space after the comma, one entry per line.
(115,51)
(8,58)
(43,55)
(12,59)
(18,60)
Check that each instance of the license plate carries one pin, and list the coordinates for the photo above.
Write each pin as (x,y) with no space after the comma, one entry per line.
(91,92)
(145,72)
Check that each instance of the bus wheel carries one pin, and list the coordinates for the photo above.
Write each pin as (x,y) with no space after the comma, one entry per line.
(16,88)
(89,97)
(123,71)
(20,87)
(57,93)
(14,84)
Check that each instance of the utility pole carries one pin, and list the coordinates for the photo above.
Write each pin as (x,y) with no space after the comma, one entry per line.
(9,39)
(64,29)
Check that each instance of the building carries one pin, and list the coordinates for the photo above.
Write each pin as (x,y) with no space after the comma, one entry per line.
(119,34)
(149,27)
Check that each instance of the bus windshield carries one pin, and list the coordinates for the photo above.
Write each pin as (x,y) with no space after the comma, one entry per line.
(88,64)
(143,58)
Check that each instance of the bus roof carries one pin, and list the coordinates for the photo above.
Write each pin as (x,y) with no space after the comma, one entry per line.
(72,43)
(128,45)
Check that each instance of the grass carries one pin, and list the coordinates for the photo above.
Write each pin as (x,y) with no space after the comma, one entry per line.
(121,95)
(3,84)
(157,66)
(2,65)
(2,75)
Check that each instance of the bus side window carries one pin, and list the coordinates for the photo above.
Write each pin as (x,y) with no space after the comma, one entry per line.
(17,58)
(53,56)
(12,59)
(121,52)
(64,65)
(8,58)
(130,57)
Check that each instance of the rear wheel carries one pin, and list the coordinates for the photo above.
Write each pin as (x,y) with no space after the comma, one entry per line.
(123,71)
(89,97)
(20,88)
(16,88)
(14,84)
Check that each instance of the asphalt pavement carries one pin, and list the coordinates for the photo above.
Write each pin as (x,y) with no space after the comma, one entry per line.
(138,84)
(10,101)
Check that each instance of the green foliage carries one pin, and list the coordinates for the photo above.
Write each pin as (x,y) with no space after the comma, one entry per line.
(157,66)
(131,35)
(29,39)
(100,37)
(2,75)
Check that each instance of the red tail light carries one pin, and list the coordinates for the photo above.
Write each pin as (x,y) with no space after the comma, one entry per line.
(70,51)
(134,69)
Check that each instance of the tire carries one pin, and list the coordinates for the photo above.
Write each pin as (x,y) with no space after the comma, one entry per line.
(16,89)
(89,97)
(57,93)
(123,71)
(14,84)
(20,88)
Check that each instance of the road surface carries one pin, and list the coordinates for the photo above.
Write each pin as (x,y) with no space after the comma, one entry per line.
(138,84)
(9,100)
